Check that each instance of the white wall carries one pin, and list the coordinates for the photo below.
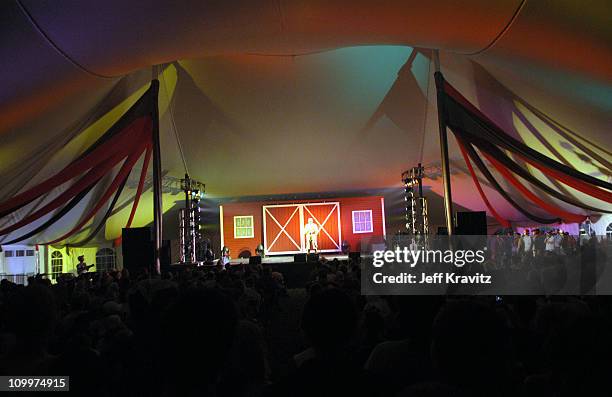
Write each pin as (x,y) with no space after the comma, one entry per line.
(12,263)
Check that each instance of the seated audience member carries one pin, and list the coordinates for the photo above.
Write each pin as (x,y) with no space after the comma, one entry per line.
(198,331)
(471,348)
(406,360)
(329,322)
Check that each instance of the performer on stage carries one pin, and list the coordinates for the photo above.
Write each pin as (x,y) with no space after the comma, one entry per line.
(311,231)
(225,257)
(82,267)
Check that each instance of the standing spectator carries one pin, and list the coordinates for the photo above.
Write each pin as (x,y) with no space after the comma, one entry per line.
(549,243)
(558,238)
(526,245)
(538,242)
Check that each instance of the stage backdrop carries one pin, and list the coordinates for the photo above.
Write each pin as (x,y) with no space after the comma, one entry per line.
(279,226)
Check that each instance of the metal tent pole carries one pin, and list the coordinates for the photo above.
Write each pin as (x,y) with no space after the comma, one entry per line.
(448,200)
(157,177)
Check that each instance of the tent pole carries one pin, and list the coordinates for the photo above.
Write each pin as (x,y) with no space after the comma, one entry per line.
(157,178)
(448,200)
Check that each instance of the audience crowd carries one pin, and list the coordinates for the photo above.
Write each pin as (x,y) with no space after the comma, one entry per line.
(212,331)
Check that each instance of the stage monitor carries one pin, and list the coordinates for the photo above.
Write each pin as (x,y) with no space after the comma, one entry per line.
(313,258)
(255,260)
(355,256)
(299,258)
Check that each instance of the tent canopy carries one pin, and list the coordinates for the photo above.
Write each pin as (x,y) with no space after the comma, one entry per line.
(289,97)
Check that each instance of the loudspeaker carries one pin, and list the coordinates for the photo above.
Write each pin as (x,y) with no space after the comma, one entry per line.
(355,256)
(312,258)
(472,223)
(299,258)
(137,248)
(255,260)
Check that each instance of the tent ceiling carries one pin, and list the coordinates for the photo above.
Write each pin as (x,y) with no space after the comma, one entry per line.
(348,113)
(53,52)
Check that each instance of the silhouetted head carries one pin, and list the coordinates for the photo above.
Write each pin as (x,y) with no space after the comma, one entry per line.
(329,320)
(31,313)
(471,345)
(197,334)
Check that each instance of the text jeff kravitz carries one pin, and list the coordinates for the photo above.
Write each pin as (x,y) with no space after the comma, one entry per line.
(435,278)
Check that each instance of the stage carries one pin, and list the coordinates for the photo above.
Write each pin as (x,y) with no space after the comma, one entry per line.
(276,259)
(296,273)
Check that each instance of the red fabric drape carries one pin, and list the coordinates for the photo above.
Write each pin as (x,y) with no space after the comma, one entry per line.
(504,222)
(123,140)
(121,175)
(90,178)
(579,185)
(102,166)
(567,217)
(141,181)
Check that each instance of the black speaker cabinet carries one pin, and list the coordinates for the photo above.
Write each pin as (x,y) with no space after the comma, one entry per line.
(137,248)
(472,223)
(255,260)
(299,258)
(312,258)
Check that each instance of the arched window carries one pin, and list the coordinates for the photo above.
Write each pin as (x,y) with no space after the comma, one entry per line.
(609,231)
(105,260)
(57,264)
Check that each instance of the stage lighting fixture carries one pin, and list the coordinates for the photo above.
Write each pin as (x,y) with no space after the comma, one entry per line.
(189,220)
(417,221)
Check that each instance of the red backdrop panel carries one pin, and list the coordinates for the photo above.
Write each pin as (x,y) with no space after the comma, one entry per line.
(326,217)
(277,238)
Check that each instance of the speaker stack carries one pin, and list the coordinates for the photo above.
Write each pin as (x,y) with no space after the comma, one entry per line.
(139,250)
(472,223)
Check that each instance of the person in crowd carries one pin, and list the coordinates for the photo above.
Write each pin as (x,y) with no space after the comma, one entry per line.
(538,243)
(482,364)
(549,243)
(558,238)
(526,246)
(242,332)
(225,259)
(327,368)
(508,243)
(568,244)
(516,245)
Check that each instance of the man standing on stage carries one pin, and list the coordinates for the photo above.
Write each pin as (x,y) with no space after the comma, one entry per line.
(311,230)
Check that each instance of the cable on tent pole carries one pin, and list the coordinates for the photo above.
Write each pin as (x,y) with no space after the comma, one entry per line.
(446,178)
(174,129)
